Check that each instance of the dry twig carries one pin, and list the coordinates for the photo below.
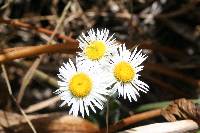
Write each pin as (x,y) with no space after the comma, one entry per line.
(29,75)
(133,119)
(13,98)
(36,50)
(41,105)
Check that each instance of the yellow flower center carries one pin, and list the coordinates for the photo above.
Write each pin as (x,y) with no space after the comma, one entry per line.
(124,72)
(80,85)
(95,50)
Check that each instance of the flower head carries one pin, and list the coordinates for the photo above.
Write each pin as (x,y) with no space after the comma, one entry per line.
(97,47)
(81,88)
(124,69)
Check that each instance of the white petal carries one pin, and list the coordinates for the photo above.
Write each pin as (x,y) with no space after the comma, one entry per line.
(81,107)
(86,109)
(92,107)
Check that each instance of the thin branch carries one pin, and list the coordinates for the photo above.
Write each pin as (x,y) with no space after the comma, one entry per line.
(25,81)
(39,75)
(42,105)
(60,21)
(28,77)
(36,50)
(7,50)
(133,119)
(29,74)
(13,98)
(6,79)
(27,51)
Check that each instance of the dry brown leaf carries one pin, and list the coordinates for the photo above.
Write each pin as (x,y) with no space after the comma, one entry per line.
(50,123)
(182,108)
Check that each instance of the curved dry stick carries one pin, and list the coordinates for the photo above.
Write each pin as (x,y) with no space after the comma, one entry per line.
(26,51)
(133,119)
(13,98)
(6,50)
(41,105)
(37,50)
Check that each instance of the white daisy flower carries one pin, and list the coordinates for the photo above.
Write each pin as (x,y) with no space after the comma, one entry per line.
(81,88)
(97,47)
(124,69)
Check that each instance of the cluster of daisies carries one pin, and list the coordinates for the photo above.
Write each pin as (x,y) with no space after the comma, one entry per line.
(102,68)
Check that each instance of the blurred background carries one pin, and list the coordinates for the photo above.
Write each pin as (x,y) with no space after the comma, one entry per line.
(167,30)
